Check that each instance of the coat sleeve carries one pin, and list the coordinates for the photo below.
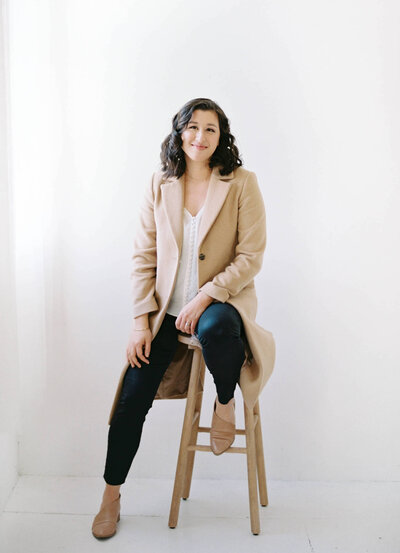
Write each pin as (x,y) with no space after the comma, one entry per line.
(144,267)
(249,251)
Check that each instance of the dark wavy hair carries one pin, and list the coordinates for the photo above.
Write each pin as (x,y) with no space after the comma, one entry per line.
(226,155)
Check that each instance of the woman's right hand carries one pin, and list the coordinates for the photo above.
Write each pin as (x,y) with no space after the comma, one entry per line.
(138,340)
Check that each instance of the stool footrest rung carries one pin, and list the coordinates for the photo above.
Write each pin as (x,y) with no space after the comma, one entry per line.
(199,447)
(239,431)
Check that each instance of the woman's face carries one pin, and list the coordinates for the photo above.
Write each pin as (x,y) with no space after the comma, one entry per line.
(200,138)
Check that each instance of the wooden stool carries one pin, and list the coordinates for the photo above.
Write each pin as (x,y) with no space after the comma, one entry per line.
(189,446)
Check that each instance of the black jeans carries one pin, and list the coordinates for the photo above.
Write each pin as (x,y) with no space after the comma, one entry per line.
(221,334)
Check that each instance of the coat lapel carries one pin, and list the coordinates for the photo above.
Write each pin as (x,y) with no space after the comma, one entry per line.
(172,199)
(217,191)
(172,191)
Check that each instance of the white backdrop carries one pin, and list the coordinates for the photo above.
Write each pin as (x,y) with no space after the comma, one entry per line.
(9,381)
(311,90)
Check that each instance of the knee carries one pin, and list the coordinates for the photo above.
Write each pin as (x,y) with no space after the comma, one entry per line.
(133,405)
(216,330)
(130,413)
(210,330)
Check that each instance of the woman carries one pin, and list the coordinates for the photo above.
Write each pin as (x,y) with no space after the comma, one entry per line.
(202,223)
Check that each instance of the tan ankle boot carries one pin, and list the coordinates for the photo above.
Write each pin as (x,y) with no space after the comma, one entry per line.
(222,433)
(105,522)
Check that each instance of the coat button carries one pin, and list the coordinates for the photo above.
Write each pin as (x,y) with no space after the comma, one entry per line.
(202,256)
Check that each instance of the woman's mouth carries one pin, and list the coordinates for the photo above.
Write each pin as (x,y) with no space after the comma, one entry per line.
(199,147)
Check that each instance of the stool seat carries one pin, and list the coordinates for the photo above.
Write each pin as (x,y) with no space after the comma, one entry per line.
(188,444)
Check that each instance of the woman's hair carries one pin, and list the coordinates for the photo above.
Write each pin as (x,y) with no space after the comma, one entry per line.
(226,154)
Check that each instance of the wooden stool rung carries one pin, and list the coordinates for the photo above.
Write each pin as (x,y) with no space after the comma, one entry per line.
(238,431)
(232,449)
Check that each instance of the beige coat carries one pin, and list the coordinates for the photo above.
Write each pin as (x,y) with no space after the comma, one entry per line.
(231,244)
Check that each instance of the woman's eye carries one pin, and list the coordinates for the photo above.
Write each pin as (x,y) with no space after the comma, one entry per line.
(194,126)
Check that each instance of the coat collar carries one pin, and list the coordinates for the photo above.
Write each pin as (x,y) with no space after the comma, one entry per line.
(172,191)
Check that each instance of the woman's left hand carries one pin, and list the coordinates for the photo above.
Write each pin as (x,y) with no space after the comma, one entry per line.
(191,312)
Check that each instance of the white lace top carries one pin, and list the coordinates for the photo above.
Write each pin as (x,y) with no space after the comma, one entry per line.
(186,284)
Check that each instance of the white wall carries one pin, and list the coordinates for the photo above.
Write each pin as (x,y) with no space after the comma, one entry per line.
(9,381)
(311,91)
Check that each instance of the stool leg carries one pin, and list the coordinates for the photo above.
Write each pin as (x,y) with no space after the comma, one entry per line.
(194,434)
(251,469)
(262,478)
(185,438)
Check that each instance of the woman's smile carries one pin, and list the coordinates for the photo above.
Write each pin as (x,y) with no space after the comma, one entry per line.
(199,147)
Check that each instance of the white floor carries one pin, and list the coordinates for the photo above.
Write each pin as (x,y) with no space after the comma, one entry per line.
(51,514)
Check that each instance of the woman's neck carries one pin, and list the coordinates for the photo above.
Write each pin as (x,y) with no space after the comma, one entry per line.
(197,172)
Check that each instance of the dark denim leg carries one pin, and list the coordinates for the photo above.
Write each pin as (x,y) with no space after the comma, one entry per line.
(220,330)
(138,390)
